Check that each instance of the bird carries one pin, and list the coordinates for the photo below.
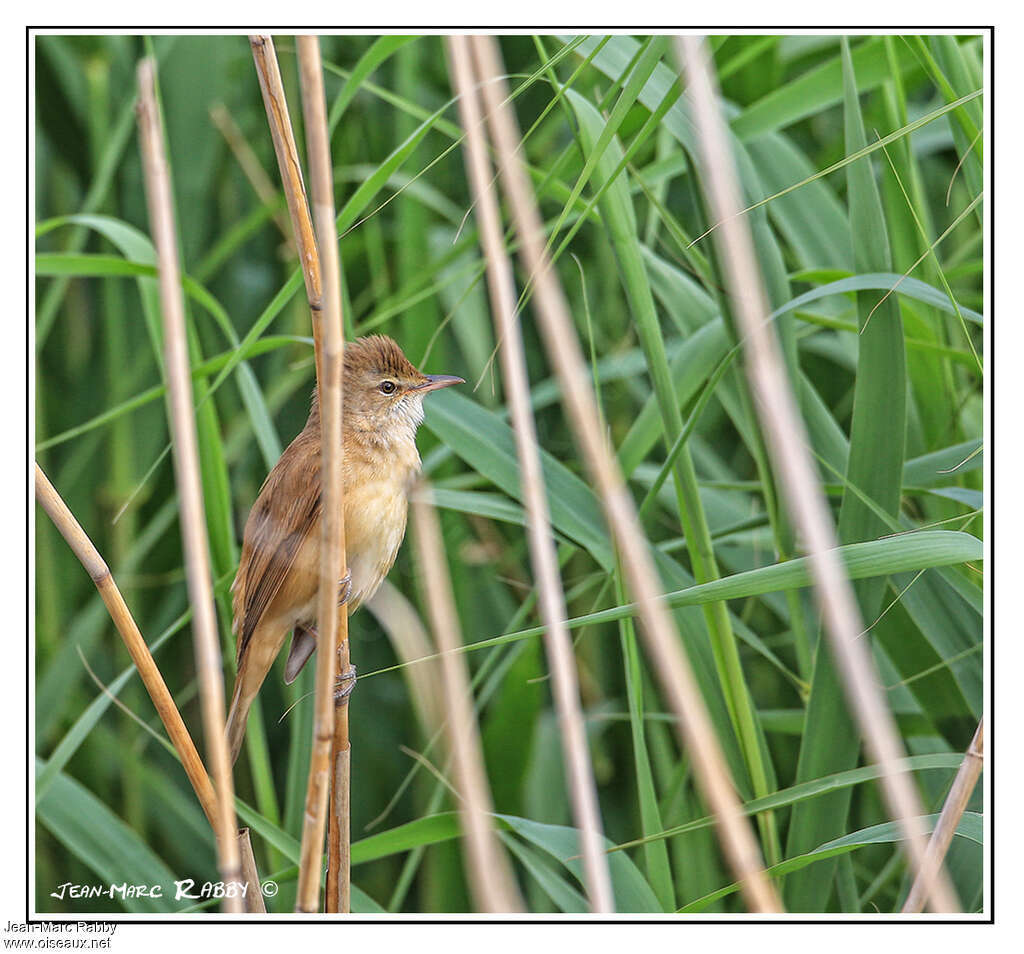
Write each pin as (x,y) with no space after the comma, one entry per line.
(275,589)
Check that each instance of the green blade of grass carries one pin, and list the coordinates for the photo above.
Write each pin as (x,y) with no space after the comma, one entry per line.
(101,183)
(875,559)
(809,790)
(565,897)
(203,370)
(969,826)
(379,52)
(877,436)
(632,892)
(97,837)
(659,875)
(84,724)
(620,224)
(54,684)
(817,89)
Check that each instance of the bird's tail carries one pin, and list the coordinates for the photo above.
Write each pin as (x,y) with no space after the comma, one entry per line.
(238,715)
(252,670)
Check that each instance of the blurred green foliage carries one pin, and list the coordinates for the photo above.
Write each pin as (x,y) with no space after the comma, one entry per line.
(116,803)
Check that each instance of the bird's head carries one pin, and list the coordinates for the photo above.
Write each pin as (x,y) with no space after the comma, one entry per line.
(383,391)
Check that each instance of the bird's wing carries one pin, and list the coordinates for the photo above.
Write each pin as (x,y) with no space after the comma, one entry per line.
(286,511)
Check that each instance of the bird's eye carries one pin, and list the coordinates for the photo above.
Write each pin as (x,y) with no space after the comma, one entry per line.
(388,387)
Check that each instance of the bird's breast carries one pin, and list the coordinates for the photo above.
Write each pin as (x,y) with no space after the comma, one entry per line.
(376,506)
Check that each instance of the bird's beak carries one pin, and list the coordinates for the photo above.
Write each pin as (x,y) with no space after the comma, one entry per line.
(435,382)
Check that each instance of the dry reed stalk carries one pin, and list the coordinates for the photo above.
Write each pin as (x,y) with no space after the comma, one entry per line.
(251,167)
(250,876)
(330,734)
(661,638)
(396,615)
(281,133)
(956,802)
(787,443)
(96,567)
(491,880)
(209,667)
(565,685)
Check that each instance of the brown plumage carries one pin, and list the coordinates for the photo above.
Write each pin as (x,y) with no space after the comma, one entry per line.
(275,589)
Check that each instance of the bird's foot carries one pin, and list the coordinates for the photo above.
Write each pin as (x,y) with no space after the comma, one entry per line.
(344,588)
(343,686)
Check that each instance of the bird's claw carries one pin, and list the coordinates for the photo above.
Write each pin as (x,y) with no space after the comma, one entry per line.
(344,588)
(343,685)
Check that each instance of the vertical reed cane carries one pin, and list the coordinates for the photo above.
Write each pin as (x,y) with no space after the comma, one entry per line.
(787,444)
(186,465)
(331,744)
(579,773)
(659,631)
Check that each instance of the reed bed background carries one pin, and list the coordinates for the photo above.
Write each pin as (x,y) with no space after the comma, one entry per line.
(880,137)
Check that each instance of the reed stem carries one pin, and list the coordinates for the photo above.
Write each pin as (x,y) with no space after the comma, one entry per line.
(491,880)
(251,168)
(209,665)
(279,120)
(956,803)
(565,684)
(787,442)
(662,639)
(87,554)
(250,876)
(330,734)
